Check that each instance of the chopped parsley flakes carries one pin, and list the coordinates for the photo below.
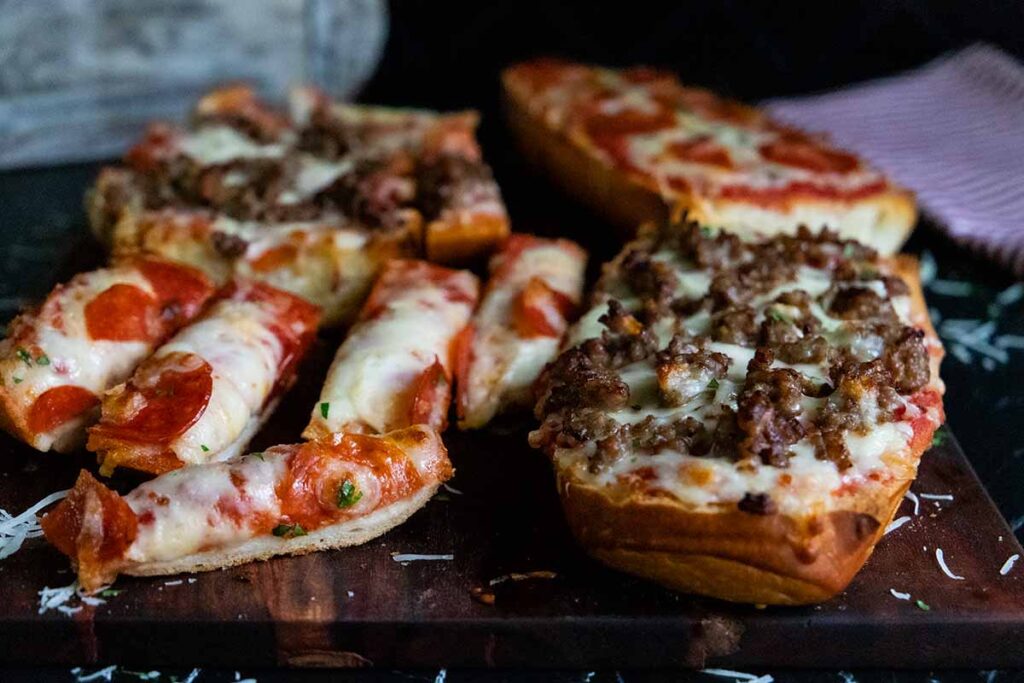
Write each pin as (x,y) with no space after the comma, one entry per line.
(348,494)
(289,530)
(325,408)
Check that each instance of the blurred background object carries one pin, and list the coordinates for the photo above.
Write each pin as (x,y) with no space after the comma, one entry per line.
(79,79)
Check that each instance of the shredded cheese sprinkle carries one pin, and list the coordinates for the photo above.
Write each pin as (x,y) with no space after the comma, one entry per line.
(898,595)
(942,565)
(15,529)
(1008,565)
(897,523)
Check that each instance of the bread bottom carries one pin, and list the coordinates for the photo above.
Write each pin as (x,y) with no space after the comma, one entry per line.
(729,554)
(353,532)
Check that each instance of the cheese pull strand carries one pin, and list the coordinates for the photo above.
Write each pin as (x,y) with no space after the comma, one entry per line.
(287,499)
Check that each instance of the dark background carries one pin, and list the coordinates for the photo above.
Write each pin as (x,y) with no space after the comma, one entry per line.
(448,55)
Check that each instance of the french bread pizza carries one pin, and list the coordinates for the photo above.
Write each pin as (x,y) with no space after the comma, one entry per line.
(88,335)
(534,290)
(637,145)
(395,367)
(331,263)
(287,500)
(741,419)
(204,394)
(382,177)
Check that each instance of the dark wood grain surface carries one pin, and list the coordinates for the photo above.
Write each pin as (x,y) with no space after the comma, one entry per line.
(360,606)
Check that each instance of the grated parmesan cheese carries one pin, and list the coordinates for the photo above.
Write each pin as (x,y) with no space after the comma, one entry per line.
(898,595)
(1008,565)
(940,558)
(413,557)
(897,523)
(58,599)
(14,530)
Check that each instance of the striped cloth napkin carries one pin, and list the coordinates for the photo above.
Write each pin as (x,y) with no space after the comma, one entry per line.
(952,131)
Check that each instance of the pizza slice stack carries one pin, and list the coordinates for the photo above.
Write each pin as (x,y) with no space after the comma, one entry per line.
(742,419)
(637,145)
(313,202)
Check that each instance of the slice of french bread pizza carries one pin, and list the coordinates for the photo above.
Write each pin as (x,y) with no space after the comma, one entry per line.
(742,419)
(636,144)
(287,500)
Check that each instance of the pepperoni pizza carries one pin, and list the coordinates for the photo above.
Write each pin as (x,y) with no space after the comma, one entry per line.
(637,145)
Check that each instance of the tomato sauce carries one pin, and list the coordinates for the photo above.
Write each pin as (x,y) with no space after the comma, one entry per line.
(430,396)
(540,310)
(309,491)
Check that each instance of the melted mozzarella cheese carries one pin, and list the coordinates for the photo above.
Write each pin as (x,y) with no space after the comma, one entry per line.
(368,383)
(195,508)
(73,358)
(807,483)
(235,338)
(215,145)
(504,363)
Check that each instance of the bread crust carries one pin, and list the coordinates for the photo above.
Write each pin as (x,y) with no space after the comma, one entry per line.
(343,535)
(883,221)
(726,553)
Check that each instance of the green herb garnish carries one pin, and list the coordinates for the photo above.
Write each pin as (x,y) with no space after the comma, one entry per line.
(43,359)
(922,605)
(705,231)
(258,455)
(775,315)
(938,438)
(289,530)
(24,356)
(18,380)
(206,449)
(325,408)
(348,494)
(110,592)
(713,384)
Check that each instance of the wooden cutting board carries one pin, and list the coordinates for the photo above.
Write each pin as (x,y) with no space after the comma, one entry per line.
(360,606)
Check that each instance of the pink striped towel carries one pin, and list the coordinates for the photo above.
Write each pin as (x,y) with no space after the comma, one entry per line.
(952,131)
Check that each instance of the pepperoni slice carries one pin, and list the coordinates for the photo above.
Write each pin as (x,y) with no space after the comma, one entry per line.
(56,406)
(308,491)
(158,146)
(181,290)
(540,311)
(463,359)
(122,312)
(431,394)
(274,258)
(164,398)
(805,153)
(95,527)
(701,150)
